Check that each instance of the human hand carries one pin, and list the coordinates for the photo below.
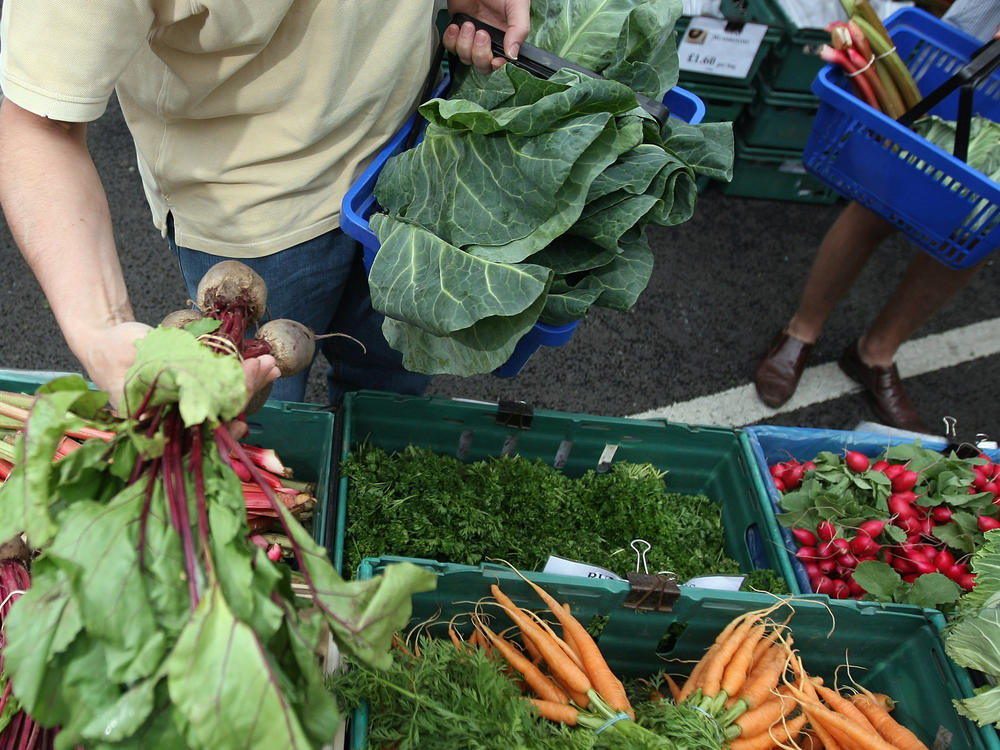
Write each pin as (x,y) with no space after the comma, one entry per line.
(112,353)
(109,355)
(473,47)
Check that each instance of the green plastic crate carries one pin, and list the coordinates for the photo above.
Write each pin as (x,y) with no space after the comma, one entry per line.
(302,435)
(775,174)
(778,119)
(794,60)
(699,460)
(753,11)
(722,103)
(894,650)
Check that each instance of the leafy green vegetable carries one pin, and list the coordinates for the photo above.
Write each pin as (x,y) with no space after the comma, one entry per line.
(931,590)
(151,620)
(972,636)
(528,199)
(449,698)
(416,503)
(984,141)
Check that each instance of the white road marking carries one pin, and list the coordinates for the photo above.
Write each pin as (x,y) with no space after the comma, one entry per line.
(740,406)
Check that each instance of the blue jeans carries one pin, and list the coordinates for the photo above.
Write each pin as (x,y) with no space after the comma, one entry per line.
(323,284)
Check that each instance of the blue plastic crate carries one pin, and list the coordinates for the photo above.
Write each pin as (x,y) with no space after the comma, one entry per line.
(359,204)
(941,204)
(768,444)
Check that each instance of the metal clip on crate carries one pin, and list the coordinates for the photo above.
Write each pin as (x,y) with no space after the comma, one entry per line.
(544,64)
(983,62)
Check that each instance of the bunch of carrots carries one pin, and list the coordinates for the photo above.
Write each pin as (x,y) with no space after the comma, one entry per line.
(297,496)
(864,49)
(749,691)
(753,683)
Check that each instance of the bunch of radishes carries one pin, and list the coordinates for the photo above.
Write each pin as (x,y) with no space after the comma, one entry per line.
(907,536)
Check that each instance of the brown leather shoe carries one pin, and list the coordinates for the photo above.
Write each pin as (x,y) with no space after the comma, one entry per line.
(779,370)
(884,390)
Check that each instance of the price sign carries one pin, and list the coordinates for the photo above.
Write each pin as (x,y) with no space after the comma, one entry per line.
(720,47)
(565,567)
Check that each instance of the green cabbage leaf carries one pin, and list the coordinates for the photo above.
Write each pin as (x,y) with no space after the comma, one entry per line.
(527,200)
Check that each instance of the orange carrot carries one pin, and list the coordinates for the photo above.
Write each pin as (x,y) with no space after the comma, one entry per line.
(694,679)
(842,705)
(569,675)
(778,736)
(675,689)
(760,684)
(602,679)
(735,672)
(711,681)
(807,694)
(766,715)
(560,712)
(845,732)
(537,680)
(887,727)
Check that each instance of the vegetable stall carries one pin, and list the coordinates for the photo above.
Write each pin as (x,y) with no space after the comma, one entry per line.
(193,570)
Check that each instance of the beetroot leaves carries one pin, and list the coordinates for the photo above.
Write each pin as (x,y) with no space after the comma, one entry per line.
(152,620)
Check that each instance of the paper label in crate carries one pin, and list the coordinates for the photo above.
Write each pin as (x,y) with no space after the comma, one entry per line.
(562,566)
(719,47)
(725,583)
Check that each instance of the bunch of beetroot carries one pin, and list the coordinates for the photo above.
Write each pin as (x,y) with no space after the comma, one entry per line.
(915,510)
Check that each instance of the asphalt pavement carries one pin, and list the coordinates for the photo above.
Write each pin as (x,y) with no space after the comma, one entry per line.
(723,284)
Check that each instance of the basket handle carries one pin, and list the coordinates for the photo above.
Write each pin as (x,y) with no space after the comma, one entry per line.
(981,65)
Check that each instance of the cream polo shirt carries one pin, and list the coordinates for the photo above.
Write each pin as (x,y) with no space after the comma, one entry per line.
(251,118)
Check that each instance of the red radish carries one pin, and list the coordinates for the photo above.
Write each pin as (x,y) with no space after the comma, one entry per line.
(967,581)
(910,524)
(828,549)
(822,584)
(955,572)
(793,476)
(808,465)
(827,564)
(854,587)
(856,461)
(804,537)
(825,530)
(872,527)
(274,552)
(931,553)
(812,570)
(911,577)
(863,545)
(944,559)
(847,560)
(777,470)
(905,480)
(779,485)
(991,487)
(841,545)
(979,477)
(807,554)
(924,566)
(840,589)
(901,507)
(987,523)
(894,470)
(880,465)
(941,513)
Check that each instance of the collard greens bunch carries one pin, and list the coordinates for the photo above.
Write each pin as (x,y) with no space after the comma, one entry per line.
(527,199)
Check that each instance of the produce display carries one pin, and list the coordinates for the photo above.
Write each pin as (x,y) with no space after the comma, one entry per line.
(416,503)
(527,199)
(496,672)
(899,527)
